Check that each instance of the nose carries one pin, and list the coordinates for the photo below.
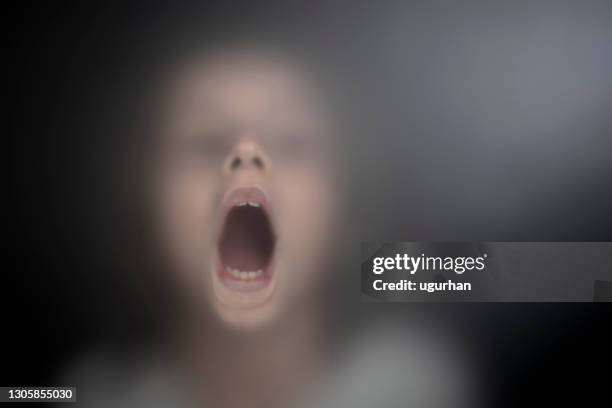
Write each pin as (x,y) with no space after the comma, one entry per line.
(246,154)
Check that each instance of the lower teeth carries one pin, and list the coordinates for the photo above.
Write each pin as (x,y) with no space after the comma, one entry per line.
(244,275)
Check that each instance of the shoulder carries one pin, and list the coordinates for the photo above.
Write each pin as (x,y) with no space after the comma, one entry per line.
(104,378)
(388,366)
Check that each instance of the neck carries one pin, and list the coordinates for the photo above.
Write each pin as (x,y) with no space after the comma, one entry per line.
(267,368)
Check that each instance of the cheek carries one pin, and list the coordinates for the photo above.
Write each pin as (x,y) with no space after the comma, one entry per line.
(186,198)
(307,210)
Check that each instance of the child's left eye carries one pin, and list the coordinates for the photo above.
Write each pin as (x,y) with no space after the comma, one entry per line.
(294,145)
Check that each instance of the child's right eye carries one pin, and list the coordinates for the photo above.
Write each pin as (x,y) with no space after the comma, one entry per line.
(210,144)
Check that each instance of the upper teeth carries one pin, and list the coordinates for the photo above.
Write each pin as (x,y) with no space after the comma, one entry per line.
(251,203)
(243,275)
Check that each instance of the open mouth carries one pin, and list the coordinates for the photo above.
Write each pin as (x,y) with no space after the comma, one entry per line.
(246,242)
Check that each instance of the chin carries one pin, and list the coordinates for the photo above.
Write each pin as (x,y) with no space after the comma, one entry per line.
(249,320)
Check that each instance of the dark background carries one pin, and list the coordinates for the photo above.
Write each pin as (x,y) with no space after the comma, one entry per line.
(491,120)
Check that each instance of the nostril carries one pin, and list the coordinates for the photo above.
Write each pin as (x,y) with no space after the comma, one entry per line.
(235,163)
(258,162)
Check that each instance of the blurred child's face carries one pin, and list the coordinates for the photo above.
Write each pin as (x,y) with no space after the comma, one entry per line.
(245,193)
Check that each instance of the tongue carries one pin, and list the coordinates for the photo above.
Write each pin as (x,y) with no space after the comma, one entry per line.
(247,241)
